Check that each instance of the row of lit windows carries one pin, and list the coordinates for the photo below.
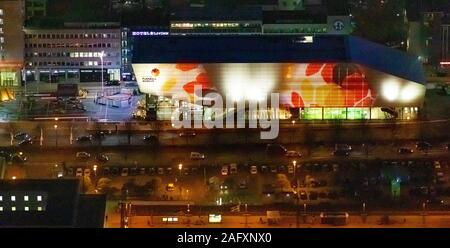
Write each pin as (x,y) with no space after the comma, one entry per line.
(25,198)
(70,45)
(25,209)
(65,63)
(70,54)
(295,30)
(72,36)
(214,25)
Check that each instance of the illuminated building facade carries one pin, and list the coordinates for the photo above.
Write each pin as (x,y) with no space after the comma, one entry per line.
(317,77)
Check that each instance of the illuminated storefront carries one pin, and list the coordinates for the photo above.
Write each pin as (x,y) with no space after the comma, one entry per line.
(333,89)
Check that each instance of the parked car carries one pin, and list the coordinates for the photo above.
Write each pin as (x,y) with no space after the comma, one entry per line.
(21,136)
(273,169)
(115,171)
(133,171)
(124,172)
(264,169)
(106,171)
(5,154)
(197,156)
(84,139)
(243,184)
(83,155)
(160,171)
(150,139)
(69,171)
(293,154)
(224,170)
(112,83)
(87,172)
(79,172)
(233,169)
(341,153)
(170,187)
(19,158)
(187,134)
(26,141)
(99,135)
(102,158)
(423,145)
(404,150)
(142,171)
(151,170)
(447,147)
(290,169)
(275,150)
(253,170)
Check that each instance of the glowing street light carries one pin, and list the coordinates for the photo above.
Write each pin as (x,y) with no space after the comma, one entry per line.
(56,134)
(180,167)
(14,178)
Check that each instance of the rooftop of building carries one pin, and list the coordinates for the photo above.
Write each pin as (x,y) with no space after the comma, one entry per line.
(277,49)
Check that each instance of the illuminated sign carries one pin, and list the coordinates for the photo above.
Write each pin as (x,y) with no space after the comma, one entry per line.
(154,74)
(149,33)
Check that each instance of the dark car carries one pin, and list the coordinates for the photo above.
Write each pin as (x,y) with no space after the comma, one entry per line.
(404,150)
(21,136)
(19,158)
(26,141)
(5,154)
(341,152)
(187,134)
(275,150)
(102,158)
(423,145)
(98,135)
(151,139)
(112,83)
(86,138)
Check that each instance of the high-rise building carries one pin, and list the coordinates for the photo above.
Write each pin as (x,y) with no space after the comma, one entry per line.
(35,8)
(74,53)
(11,42)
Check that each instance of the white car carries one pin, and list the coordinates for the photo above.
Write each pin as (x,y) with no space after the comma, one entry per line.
(253,170)
(79,172)
(197,156)
(224,170)
(293,154)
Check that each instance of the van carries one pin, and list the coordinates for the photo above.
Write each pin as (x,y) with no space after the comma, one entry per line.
(197,156)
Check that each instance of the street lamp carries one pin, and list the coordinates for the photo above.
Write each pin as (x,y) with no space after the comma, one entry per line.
(295,172)
(95,170)
(180,167)
(102,54)
(56,134)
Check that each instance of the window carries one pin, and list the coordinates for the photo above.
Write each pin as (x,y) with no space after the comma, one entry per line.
(1,209)
(39,198)
(27,209)
(13,198)
(13,208)
(1,198)
(25,198)
(1,20)
(1,11)
(2,40)
(39,208)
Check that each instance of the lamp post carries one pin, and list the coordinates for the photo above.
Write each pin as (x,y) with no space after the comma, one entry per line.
(180,168)
(423,214)
(56,134)
(295,172)
(102,54)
